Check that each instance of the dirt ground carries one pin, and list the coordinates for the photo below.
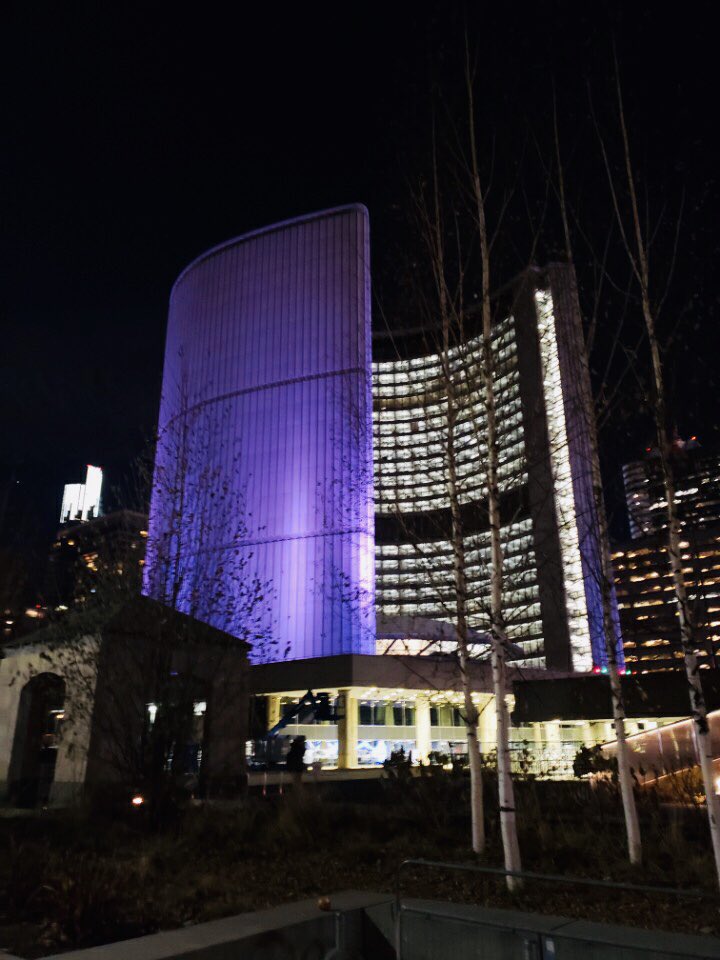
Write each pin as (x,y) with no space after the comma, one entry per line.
(76,878)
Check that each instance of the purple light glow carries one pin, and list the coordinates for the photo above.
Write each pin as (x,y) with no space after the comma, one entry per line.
(265,432)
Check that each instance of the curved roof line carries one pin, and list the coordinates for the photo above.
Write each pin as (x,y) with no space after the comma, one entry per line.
(281,225)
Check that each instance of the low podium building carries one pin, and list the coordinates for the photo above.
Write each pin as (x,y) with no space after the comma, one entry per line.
(149,691)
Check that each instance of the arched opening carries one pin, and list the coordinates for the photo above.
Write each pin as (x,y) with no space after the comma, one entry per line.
(35,744)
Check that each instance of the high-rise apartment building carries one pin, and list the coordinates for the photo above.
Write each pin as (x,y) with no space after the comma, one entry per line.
(106,553)
(82,501)
(697,488)
(646,598)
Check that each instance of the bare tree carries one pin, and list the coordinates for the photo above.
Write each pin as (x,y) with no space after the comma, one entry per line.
(586,411)
(457,534)
(637,237)
(156,676)
(498,633)
(452,223)
(200,558)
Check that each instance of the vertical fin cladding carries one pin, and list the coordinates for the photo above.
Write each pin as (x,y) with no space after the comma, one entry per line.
(263,469)
(565,502)
(584,457)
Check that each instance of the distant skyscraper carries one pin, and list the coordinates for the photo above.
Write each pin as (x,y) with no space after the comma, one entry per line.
(264,460)
(646,596)
(647,602)
(82,501)
(697,485)
(106,551)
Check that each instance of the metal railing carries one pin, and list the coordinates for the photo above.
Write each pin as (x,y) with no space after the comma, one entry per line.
(532,941)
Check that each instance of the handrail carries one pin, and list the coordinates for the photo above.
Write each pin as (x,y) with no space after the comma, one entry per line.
(546,877)
(529,875)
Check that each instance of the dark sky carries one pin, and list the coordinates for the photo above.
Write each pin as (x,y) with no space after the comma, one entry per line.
(133,137)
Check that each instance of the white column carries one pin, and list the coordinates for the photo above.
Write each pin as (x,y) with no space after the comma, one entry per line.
(487,724)
(423,734)
(552,743)
(347,728)
(552,732)
(273,711)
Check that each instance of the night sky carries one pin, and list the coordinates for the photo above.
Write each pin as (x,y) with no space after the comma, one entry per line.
(136,136)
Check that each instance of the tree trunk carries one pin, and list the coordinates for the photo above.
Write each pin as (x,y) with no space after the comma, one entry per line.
(627,792)
(625,778)
(698,707)
(640,264)
(477,806)
(632,826)
(498,636)
(477,814)
(506,791)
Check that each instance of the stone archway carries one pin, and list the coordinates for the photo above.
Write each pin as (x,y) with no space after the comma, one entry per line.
(34,750)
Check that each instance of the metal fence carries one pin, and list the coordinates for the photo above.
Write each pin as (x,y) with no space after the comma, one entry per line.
(427,930)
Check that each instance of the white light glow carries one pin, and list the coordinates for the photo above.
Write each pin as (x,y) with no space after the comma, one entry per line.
(580,645)
(81,501)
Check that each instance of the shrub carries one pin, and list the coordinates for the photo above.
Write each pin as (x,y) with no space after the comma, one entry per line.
(590,760)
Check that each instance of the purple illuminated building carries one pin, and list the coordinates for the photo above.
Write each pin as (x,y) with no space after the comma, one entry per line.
(261,519)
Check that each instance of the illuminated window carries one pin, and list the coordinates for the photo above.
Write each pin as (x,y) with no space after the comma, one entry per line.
(404,714)
(371,713)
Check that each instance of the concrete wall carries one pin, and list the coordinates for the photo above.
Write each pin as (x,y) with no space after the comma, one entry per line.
(294,931)
(450,931)
(78,671)
(429,930)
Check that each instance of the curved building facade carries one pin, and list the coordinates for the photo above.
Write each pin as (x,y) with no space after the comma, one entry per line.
(550,530)
(261,519)
(414,550)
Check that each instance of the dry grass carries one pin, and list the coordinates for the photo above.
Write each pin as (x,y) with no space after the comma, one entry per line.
(67,880)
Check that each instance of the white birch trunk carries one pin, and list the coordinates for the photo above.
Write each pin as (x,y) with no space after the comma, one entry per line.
(639,261)
(477,805)
(698,707)
(498,636)
(477,813)
(625,777)
(627,792)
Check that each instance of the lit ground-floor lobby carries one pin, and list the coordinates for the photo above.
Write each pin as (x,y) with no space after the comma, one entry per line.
(386,704)
(374,707)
